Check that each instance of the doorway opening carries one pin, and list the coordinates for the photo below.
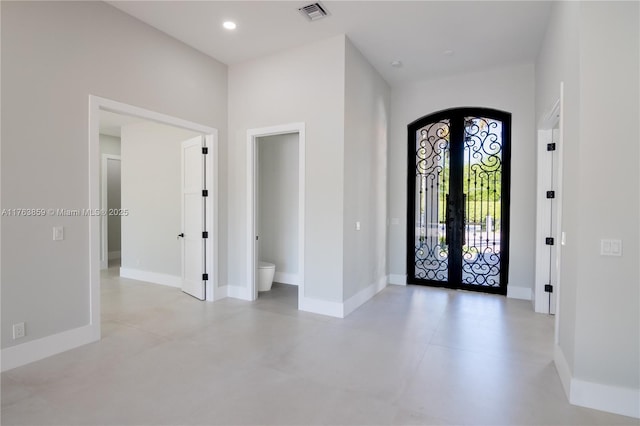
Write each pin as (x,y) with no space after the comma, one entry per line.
(458,203)
(275,226)
(150,204)
(111,202)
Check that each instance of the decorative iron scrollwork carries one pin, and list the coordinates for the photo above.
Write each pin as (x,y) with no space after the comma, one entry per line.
(432,159)
(482,188)
(458,164)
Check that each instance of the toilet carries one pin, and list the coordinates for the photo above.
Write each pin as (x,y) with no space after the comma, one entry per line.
(266,271)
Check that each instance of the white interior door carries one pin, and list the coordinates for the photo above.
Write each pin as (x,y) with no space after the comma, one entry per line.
(548,214)
(193,214)
(554,225)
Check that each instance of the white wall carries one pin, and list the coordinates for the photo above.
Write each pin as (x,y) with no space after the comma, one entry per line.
(609,195)
(594,48)
(151,192)
(278,204)
(558,61)
(509,89)
(109,145)
(365,175)
(54,54)
(299,85)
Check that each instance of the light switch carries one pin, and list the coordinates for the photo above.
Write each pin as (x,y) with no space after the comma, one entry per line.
(58,233)
(609,247)
(357,226)
(616,248)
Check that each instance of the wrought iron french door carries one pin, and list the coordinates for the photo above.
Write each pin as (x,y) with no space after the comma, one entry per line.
(458,200)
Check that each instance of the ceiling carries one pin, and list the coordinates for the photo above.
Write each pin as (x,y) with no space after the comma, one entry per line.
(477,34)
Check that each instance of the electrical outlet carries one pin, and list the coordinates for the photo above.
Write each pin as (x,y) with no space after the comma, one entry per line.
(18,330)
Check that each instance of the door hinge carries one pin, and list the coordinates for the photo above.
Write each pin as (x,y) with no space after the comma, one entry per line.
(205,234)
(548,288)
(205,193)
(551,194)
(551,146)
(205,150)
(549,241)
(205,277)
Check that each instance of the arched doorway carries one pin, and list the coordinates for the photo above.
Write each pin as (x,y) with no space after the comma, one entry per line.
(458,199)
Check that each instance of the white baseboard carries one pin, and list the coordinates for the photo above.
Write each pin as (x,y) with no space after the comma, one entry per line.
(322,307)
(237,292)
(216,293)
(338,309)
(361,297)
(151,277)
(286,278)
(522,293)
(114,255)
(613,399)
(397,279)
(563,370)
(35,350)
(598,396)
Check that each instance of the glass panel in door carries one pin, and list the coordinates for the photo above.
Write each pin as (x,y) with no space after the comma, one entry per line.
(482,188)
(431,167)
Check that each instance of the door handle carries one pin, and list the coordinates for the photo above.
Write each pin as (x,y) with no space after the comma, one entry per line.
(181,235)
(454,212)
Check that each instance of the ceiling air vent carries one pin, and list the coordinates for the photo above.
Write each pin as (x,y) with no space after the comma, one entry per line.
(313,11)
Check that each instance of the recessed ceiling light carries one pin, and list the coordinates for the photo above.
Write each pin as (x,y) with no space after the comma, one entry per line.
(396,64)
(229,25)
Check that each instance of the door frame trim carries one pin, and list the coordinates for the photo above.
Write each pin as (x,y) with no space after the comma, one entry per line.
(252,140)
(97,104)
(457,113)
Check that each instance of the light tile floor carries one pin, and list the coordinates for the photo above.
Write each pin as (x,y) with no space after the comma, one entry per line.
(411,355)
